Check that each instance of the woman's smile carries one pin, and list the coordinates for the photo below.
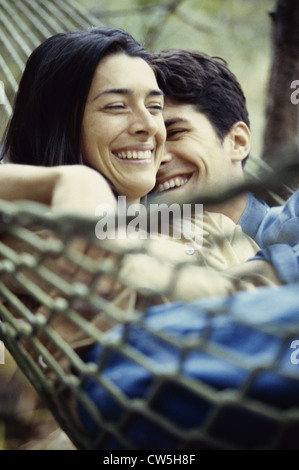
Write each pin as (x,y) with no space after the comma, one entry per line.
(123,130)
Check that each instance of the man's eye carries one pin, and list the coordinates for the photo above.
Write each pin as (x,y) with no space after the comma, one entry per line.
(174,132)
(155,106)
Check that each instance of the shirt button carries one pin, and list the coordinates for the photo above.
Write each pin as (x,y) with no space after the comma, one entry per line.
(189,250)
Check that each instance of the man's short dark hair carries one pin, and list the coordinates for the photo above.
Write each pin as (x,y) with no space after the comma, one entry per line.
(193,77)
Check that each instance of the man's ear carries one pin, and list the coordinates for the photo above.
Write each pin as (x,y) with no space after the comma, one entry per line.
(239,136)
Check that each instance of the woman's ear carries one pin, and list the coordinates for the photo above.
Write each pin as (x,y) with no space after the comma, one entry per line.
(240,136)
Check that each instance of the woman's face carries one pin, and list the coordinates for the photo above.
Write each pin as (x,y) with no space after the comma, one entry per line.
(123,131)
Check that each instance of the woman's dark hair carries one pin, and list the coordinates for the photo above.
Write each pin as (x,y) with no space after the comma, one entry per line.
(193,77)
(46,123)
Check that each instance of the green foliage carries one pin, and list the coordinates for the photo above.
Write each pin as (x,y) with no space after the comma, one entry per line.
(143,3)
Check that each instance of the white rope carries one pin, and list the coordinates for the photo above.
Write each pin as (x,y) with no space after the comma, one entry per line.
(24,24)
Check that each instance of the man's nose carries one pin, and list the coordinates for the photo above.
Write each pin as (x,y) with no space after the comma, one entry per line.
(166,156)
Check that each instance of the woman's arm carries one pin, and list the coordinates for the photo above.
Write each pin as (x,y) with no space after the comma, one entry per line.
(74,188)
(65,189)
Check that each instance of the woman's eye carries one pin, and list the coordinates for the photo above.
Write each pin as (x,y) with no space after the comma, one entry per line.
(115,106)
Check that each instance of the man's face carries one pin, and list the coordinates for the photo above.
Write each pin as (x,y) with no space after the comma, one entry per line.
(195,158)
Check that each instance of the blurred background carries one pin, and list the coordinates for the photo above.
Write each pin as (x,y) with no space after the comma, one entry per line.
(237,30)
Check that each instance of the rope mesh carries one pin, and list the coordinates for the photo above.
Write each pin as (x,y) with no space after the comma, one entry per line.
(52,319)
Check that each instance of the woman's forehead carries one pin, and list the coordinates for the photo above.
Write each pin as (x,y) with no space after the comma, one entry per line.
(122,72)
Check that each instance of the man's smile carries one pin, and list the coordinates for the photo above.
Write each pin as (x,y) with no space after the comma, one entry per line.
(172,183)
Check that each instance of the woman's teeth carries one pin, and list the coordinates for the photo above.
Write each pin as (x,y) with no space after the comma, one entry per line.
(135,155)
(173,182)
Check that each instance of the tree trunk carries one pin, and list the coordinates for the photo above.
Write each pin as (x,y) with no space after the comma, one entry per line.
(281,136)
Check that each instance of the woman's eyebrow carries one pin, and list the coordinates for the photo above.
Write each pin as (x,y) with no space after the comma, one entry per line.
(125,91)
(113,91)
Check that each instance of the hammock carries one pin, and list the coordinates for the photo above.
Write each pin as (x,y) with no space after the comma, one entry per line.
(24,24)
(230,368)
(226,381)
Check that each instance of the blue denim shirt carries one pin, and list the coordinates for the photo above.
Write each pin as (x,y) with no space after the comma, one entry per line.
(236,387)
(276,231)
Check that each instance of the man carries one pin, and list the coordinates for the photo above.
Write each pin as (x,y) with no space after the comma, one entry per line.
(208,142)
(208,137)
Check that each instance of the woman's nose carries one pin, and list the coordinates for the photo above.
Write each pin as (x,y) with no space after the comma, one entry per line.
(144,123)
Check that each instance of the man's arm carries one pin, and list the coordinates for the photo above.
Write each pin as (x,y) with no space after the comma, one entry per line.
(258,271)
(278,238)
(276,231)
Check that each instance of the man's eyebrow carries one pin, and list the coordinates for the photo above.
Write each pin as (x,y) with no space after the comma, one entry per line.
(156,93)
(125,91)
(175,120)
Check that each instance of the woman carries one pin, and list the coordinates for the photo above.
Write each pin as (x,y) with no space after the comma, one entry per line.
(91,99)
(83,94)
